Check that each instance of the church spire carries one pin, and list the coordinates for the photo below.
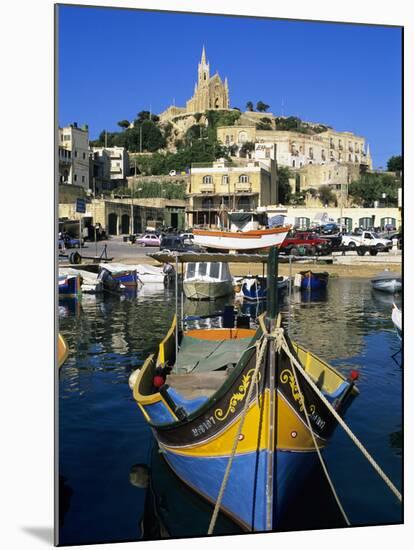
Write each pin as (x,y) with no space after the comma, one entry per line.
(203,69)
(203,56)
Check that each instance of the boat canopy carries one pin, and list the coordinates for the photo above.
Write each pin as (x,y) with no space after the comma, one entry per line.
(386,276)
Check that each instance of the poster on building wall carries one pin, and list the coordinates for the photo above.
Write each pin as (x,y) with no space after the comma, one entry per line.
(229,312)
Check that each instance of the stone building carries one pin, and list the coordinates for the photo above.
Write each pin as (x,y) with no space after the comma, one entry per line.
(119,162)
(296,149)
(209,93)
(73,155)
(222,186)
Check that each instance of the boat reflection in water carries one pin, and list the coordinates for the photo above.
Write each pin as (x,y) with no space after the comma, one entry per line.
(173,510)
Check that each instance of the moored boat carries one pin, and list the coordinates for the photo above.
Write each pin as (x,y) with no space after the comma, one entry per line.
(69,286)
(255,289)
(240,422)
(387,281)
(89,281)
(62,350)
(242,240)
(123,274)
(207,280)
(396,317)
(314,281)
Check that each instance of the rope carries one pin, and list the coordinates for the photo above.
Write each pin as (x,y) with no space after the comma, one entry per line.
(347,430)
(324,468)
(261,348)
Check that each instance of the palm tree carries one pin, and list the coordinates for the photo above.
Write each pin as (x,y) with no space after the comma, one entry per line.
(262,107)
(249,106)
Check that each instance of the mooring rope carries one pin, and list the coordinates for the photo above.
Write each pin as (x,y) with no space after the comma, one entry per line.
(261,348)
(341,422)
(324,468)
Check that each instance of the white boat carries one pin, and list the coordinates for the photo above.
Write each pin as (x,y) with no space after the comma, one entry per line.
(90,282)
(387,281)
(207,280)
(242,240)
(151,274)
(396,317)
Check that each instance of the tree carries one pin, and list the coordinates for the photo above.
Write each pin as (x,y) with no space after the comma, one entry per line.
(247,147)
(124,123)
(249,106)
(284,189)
(371,187)
(395,164)
(142,116)
(326,195)
(262,107)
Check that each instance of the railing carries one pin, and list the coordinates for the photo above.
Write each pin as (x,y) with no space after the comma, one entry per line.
(207,187)
(241,186)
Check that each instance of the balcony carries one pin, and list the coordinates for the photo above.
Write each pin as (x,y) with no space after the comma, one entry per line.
(243,186)
(207,187)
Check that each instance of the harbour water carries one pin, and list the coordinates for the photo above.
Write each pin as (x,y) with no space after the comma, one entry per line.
(115,486)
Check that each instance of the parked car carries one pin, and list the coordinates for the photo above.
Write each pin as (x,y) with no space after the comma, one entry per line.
(189,237)
(330,229)
(149,239)
(367,238)
(312,243)
(176,243)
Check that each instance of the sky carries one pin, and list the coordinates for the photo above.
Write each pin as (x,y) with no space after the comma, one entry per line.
(114,63)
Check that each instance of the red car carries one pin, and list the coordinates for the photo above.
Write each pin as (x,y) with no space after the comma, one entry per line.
(310,242)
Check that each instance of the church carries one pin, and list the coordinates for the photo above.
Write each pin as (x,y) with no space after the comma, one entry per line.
(209,93)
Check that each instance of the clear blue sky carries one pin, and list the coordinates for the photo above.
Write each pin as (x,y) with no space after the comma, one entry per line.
(114,63)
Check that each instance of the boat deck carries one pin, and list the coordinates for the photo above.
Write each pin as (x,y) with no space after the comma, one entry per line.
(197,384)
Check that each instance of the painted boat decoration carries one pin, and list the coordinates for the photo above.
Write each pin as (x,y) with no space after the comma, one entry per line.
(396,317)
(387,281)
(207,280)
(123,274)
(314,281)
(62,350)
(250,402)
(243,240)
(69,286)
(256,289)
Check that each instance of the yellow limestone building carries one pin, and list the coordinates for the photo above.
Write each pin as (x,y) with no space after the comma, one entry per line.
(209,93)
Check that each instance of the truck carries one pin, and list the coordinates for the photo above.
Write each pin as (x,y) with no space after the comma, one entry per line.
(305,242)
(367,239)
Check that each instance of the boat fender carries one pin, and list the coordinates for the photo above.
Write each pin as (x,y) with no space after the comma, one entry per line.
(297,280)
(353,375)
(133,378)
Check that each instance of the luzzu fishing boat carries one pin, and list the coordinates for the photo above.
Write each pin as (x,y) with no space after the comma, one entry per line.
(123,274)
(62,350)
(314,281)
(242,426)
(256,289)
(69,286)
(241,240)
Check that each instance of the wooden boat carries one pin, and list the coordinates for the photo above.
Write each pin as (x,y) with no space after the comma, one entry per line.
(207,280)
(256,289)
(314,281)
(396,317)
(242,240)
(89,281)
(125,275)
(69,286)
(236,419)
(387,281)
(62,350)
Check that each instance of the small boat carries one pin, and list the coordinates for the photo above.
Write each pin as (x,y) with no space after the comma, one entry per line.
(237,414)
(240,240)
(314,281)
(256,289)
(387,281)
(207,280)
(124,274)
(150,273)
(69,286)
(90,282)
(396,317)
(62,350)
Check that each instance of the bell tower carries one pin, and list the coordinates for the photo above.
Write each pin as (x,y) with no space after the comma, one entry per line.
(203,70)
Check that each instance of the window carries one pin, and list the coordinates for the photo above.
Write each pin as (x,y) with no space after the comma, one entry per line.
(202,269)
(215,270)
(208,179)
(350,158)
(225,180)
(76,153)
(83,179)
(227,140)
(75,177)
(293,163)
(311,152)
(191,270)
(84,156)
(244,179)
(242,137)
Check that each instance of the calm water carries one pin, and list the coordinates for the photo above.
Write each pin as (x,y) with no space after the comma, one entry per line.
(107,451)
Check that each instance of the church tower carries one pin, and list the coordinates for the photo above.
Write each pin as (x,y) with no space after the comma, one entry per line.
(203,70)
